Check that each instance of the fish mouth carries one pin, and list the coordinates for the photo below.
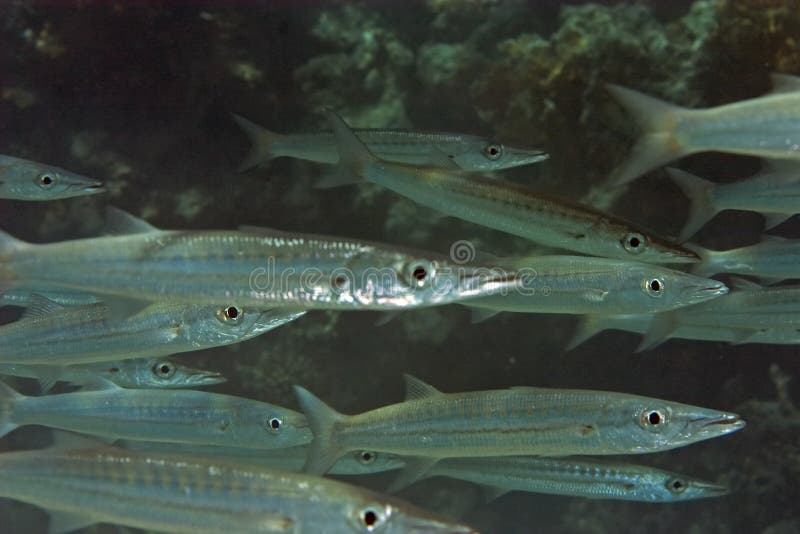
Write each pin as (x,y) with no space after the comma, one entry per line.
(206,378)
(707,290)
(709,489)
(709,427)
(96,187)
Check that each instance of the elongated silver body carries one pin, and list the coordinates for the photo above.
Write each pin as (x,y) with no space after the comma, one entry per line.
(163,493)
(772,260)
(22,179)
(509,207)
(681,328)
(765,126)
(578,477)
(776,195)
(550,422)
(59,335)
(261,268)
(287,459)
(580,284)
(469,152)
(167,373)
(170,415)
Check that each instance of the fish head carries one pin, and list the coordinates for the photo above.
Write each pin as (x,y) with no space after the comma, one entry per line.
(171,373)
(397,280)
(367,512)
(280,427)
(662,425)
(660,288)
(483,155)
(663,486)
(639,246)
(365,462)
(44,182)
(213,326)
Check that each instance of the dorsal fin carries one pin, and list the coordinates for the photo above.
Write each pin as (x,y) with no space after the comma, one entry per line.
(40,306)
(417,389)
(119,222)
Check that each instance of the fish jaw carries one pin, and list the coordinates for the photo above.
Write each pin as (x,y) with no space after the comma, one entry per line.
(198,378)
(670,253)
(701,290)
(707,424)
(414,520)
(518,157)
(700,489)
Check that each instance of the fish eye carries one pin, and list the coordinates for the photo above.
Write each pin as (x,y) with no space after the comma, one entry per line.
(229,314)
(676,485)
(654,287)
(46,180)
(371,517)
(164,369)
(274,424)
(420,274)
(493,151)
(653,419)
(366,457)
(634,242)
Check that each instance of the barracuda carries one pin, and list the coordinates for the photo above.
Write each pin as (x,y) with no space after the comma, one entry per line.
(163,493)
(577,477)
(766,126)
(431,425)
(579,284)
(169,415)
(507,206)
(469,152)
(21,179)
(167,373)
(53,334)
(252,267)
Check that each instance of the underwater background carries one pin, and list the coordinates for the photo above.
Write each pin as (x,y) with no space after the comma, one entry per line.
(140,96)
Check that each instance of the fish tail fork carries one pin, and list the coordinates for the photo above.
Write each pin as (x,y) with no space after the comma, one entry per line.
(659,142)
(8,399)
(324,451)
(8,246)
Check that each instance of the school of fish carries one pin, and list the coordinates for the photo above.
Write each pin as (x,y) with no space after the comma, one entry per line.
(135,437)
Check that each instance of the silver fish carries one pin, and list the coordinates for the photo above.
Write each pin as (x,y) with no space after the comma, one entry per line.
(167,373)
(52,334)
(469,152)
(772,260)
(680,328)
(169,415)
(577,477)
(431,425)
(21,179)
(508,207)
(766,126)
(163,493)
(288,459)
(581,284)
(773,195)
(254,267)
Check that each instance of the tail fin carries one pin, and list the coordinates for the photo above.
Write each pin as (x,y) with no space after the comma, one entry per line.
(261,140)
(659,143)
(700,194)
(323,451)
(710,260)
(8,398)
